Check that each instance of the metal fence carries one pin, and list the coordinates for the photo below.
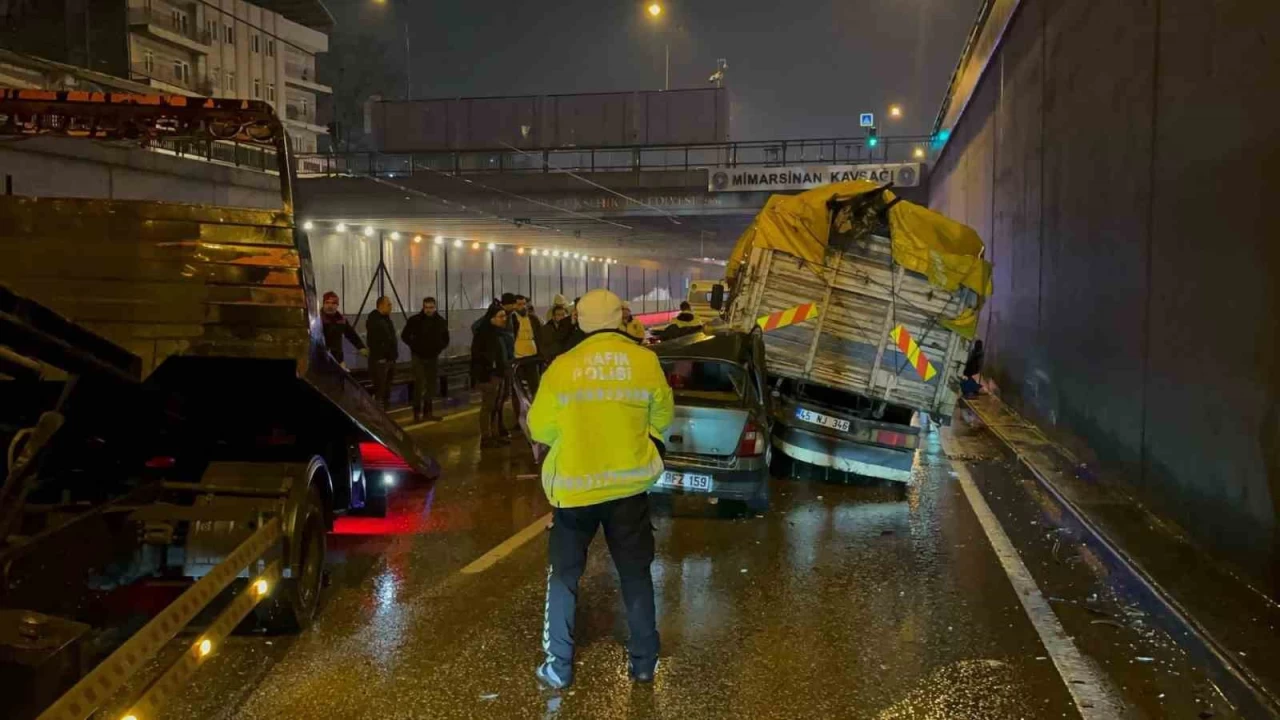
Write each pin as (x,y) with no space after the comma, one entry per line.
(756,153)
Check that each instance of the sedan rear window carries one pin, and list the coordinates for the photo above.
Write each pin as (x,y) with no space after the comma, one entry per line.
(713,379)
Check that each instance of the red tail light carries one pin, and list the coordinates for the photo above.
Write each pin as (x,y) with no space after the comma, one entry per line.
(895,439)
(376,456)
(752,442)
(161,462)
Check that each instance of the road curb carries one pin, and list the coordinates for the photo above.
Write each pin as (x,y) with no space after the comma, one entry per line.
(1234,680)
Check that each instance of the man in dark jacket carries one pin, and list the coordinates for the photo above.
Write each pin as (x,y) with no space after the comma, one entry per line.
(427,335)
(488,372)
(336,327)
(384,349)
(554,339)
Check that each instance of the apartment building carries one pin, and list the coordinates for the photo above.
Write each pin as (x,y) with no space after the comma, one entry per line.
(264,50)
(231,48)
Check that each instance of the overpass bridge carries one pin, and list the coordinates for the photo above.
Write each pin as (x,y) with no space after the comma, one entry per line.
(658,203)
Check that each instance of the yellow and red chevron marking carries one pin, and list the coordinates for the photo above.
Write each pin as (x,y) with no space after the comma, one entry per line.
(908,346)
(790,316)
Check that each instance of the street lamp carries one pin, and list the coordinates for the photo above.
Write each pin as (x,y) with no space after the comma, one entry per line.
(655,11)
(408,59)
(895,111)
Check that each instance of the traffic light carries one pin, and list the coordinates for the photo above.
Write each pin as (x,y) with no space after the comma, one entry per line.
(872,140)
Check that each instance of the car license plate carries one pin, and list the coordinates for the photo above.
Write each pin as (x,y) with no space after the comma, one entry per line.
(686,481)
(823,420)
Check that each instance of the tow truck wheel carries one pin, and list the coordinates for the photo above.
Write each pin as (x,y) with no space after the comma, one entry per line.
(292,607)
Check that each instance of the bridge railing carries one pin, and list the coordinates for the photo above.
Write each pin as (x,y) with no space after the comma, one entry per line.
(755,153)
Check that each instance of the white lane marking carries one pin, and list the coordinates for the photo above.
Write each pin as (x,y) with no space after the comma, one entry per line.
(1091,692)
(445,419)
(489,559)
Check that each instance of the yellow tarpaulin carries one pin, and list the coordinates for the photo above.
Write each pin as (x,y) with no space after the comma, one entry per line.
(943,250)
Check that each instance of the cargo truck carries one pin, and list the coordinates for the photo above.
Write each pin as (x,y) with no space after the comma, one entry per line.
(869,305)
(179,441)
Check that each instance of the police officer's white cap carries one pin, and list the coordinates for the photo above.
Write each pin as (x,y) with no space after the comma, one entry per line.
(599,310)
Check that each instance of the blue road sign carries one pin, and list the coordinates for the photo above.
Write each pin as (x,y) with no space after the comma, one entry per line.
(867,120)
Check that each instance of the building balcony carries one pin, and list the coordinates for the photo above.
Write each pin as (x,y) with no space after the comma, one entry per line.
(161,25)
(304,77)
(163,77)
(293,115)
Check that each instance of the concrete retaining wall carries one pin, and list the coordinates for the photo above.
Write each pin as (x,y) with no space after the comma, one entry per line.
(53,167)
(1116,156)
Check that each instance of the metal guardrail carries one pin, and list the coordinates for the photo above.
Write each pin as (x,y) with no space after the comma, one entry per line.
(755,153)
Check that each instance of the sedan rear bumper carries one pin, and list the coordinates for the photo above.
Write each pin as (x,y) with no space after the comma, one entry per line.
(747,481)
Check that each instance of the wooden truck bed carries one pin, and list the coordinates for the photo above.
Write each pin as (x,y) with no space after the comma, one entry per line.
(862,296)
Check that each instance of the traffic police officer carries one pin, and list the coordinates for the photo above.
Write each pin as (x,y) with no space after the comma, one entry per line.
(598,408)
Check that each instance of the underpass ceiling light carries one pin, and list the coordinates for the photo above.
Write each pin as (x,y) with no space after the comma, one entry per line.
(417,238)
(457,243)
(341,227)
(492,247)
(475,245)
(308,225)
(555,253)
(918,153)
(368,231)
(519,251)
(395,234)
(438,240)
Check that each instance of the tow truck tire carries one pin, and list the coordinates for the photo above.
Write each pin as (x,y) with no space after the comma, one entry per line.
(292,607)
(375,498)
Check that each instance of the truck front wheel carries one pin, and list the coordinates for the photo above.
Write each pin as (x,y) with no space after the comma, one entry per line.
(292,607)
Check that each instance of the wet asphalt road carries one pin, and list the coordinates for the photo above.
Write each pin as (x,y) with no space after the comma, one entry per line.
(844,600)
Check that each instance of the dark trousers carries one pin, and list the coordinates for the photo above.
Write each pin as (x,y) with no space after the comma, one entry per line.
(629,533)
(502,388)
(424,383)
(489,400)
(380,372)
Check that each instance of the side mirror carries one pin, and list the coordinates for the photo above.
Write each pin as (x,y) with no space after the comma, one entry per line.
(717,297)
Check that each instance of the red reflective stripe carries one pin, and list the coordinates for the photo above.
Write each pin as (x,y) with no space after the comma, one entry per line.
(773,321)
(904,341)
(802,312)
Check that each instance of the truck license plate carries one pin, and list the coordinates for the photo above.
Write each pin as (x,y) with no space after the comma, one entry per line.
(685,481)
(823,420)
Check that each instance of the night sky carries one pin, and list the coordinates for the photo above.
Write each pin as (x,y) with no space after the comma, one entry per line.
(803,68)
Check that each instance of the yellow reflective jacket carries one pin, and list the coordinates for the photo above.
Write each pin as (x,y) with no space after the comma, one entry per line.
(635,329)
(596,408)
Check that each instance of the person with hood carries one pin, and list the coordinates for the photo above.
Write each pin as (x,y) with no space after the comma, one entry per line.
(598,409)
(970,385)
(684,324)
(630,325)
(427,335)
(384,350)
(335,327)
(488,372)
